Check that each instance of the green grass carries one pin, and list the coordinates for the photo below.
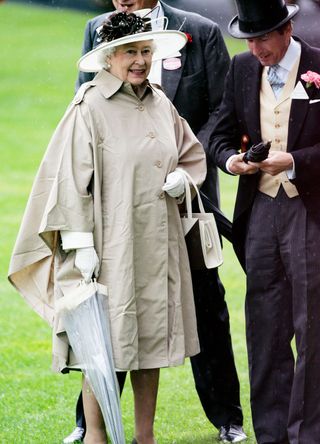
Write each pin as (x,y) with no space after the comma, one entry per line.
(39,48)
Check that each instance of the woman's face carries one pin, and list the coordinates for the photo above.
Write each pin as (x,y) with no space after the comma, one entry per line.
(132,62)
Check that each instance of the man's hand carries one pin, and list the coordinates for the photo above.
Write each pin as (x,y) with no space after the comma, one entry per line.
(277,162)
(238,166)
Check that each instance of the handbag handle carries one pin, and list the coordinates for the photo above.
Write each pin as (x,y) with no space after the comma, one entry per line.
(187,180)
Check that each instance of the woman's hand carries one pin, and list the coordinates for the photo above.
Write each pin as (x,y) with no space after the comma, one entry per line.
(87,262)
(174,184)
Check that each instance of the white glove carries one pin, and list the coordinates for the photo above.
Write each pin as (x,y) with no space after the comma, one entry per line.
(87,262)
(174,185)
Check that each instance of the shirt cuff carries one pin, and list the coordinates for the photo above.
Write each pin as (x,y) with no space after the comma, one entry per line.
(291,174)
(72,240)
(228,163)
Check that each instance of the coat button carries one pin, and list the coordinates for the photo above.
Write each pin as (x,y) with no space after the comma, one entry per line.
(158,163)
(277,140)
(151,135)
(277,125)
(140,107)
(161,195)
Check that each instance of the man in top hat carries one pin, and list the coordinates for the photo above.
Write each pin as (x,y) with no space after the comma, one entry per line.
(271,95)
(193,81)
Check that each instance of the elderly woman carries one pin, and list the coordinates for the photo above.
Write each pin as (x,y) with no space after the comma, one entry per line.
(105,203)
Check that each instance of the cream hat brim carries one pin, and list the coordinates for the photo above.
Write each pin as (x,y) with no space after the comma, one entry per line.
(168,42)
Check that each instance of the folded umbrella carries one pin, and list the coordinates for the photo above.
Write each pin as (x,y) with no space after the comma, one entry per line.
(85,316)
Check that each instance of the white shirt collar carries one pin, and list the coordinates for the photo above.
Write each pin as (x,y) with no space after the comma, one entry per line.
(290,57)
(157,13)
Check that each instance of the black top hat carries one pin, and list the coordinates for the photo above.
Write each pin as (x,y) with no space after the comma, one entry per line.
(258,17)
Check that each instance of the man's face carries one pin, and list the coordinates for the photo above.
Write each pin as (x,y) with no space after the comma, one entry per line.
(133,5)
(270,48)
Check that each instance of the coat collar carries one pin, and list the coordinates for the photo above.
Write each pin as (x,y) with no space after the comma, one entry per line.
(109,85)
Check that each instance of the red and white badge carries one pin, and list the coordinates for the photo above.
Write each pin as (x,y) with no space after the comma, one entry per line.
(172,63)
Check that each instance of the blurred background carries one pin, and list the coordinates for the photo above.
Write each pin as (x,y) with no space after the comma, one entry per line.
(221,11)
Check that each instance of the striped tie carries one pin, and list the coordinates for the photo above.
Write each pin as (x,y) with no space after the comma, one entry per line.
(273,78)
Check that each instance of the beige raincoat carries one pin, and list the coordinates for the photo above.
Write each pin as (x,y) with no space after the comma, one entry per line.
(103,172)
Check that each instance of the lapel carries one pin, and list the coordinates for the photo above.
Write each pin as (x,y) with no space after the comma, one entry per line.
(251,99)
(299,108)
(96,23)
(171,79)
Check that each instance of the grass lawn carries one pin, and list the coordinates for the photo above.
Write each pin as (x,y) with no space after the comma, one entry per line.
(39,48)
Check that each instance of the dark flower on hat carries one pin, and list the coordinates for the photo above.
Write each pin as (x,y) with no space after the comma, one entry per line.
(121,24)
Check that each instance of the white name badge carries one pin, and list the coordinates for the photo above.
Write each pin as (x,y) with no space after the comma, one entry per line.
(172,63)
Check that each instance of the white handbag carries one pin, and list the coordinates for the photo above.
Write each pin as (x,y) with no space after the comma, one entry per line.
(200,230)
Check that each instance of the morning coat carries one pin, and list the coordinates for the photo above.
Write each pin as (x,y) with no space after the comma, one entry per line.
(240,115)
(103,172)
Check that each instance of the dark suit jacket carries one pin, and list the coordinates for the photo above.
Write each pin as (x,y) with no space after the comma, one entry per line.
(240,114)
(196,88)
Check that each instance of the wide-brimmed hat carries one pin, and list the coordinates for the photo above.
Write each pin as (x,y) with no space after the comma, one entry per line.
(258,17)
(167,42)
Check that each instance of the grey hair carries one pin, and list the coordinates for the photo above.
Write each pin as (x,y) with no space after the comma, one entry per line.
(102,57)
